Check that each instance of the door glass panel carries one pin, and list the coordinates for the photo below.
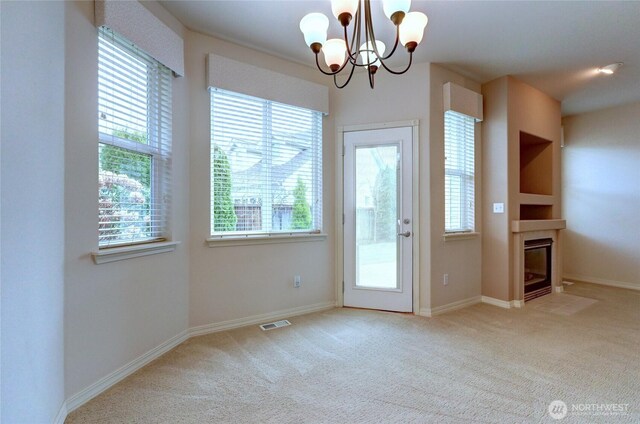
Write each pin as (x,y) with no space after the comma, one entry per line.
(376,194)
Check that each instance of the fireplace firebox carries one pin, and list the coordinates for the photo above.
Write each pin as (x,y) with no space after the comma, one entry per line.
(537,268)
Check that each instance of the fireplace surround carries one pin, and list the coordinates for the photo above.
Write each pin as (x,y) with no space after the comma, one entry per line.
(528,236)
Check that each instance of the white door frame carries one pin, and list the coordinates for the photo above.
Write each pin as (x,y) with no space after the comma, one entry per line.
(339,202)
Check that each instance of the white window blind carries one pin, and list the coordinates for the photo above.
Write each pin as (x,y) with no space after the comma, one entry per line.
(134,127)
(459,150)
(266,166)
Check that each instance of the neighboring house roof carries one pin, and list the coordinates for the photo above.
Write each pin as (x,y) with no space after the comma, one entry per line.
(248,181)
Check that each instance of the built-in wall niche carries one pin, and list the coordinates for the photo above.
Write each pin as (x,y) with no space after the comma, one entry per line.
(536,212)
(536,165)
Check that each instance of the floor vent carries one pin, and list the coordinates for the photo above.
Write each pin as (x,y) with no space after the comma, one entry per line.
(537,293)
(277,324)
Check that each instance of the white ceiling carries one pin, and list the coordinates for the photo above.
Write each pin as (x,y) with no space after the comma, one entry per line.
(554,46)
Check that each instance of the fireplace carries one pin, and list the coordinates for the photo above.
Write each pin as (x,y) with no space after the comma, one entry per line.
(537,268)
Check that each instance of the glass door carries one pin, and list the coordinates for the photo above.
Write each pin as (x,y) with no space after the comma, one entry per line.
(377,228)
(376,218)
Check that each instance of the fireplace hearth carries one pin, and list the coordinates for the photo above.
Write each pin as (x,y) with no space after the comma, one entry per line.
(537,268)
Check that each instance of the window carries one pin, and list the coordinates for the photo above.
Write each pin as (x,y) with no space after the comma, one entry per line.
(266,166)
(134,106)
(459,185)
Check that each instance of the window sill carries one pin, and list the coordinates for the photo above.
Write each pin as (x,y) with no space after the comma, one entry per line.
(255,240)
(460,236)
(104,256)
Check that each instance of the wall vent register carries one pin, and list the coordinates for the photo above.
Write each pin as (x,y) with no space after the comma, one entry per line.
(274,325)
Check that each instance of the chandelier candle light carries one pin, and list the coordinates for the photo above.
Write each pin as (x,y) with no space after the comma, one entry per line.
(338,53)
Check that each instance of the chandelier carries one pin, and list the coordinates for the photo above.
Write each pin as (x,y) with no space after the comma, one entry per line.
(341,53)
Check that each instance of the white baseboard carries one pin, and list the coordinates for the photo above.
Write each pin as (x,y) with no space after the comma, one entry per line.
(438,310)
(602,281)
(502,303)
(62,414)
(83,396)
(258,319)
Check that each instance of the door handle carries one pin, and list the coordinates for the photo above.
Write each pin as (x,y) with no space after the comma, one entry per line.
(405,234)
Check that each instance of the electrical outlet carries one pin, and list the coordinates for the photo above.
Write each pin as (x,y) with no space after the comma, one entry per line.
(498,208)
(445,279)
(297,281)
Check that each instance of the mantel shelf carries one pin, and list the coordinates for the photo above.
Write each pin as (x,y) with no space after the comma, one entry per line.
(538,225)
(536,199)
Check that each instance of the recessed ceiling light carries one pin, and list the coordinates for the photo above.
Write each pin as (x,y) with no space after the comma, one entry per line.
(610,69)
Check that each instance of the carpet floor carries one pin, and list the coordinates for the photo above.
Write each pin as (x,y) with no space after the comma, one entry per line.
(480,364)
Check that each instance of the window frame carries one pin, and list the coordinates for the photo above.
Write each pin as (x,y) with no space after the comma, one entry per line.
(268,146)
(469,224)
(158,148)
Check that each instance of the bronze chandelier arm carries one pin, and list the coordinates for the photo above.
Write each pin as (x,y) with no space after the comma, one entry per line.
(355,37)
(352,56)
(330,73)
(369,27)
(335,81)
(399,72)
(395,45)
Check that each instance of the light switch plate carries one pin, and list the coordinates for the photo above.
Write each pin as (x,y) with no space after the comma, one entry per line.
(498,208)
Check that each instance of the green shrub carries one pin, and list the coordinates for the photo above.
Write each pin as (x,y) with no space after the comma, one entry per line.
(384,201)
(224,215)
(301,219)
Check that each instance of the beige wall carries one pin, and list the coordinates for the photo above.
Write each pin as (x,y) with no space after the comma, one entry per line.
(510,107)
(601,196)
(237,282)
(32,221)
(418,95)
(533,112)
(461,258)
(394,99)
(117,311)
(496,235)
